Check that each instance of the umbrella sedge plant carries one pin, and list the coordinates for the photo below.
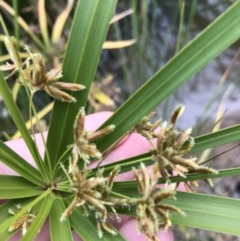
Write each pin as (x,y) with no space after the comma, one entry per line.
(63,192)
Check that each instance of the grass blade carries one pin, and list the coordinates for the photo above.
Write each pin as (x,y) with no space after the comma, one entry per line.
(59,231)
(39,220)
(18,164)
(18,120)
(17,187)
(125,165)
(218,138)
(131,185)
(213,213)
(79,66)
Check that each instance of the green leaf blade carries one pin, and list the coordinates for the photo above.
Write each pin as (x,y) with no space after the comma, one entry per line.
(207,212)
(218,214)
(79,66)
(213,40)
(18,164)
(39,220)
(17,187)
(19,122)
(217,138)
(59,231)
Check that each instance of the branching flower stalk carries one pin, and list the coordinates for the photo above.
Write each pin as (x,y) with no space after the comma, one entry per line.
(95,193)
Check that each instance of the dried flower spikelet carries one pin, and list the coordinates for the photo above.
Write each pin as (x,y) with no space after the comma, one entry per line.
(93,193)
(171,147)
(146,128)
(149,205)
(24,221)
(83,140)
(176,114)
(92,136)
(84,192)
(34,72)
(85,149)
(54,74)
(58,94)
(67,86)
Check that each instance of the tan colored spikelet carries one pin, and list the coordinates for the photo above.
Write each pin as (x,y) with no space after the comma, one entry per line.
(34,73)
(149,205)
(58,94)
(23,221)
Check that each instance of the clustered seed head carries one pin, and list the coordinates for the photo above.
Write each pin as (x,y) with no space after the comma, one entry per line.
(171,148)
(169,156)
(83,140)
(24,221)
(149,205)
(95,192)
(34,73)
(146,128)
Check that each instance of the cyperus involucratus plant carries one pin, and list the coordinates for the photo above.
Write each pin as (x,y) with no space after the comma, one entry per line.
(75,193)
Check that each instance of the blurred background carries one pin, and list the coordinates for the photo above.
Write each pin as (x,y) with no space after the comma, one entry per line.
(142,38)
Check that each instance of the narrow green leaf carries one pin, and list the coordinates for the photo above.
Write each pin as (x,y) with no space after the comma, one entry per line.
(201,176)
(126,164)
(130,187)
(39,220)
(59,230)
(19,122)
(213,213)
(217,138)
(7,222)
(202,211)
(212,41)
(82,225)
(18,164)
(88,33)
(203,142)
(17,187)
